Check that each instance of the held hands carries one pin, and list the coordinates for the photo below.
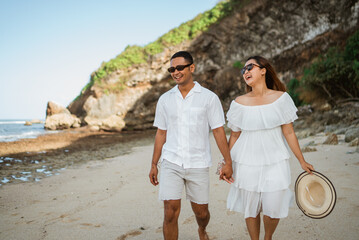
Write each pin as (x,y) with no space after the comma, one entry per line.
(307,167)
(153,175)
(226,173)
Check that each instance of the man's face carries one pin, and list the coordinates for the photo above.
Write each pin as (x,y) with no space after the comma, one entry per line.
(182,77)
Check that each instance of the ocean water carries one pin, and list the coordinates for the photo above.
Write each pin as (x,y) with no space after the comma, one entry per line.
(13,130)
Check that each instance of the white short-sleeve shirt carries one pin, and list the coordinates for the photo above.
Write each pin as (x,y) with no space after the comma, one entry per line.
(188,122)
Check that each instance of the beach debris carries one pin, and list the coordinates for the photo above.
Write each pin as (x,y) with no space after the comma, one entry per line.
(131,233)
(332,139)
(311,143)
(309,149)
(5,180)
(22,178)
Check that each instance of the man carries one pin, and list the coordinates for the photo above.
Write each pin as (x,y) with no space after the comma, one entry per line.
(184,116)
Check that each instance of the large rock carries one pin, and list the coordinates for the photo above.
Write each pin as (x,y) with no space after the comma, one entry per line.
(61,121)
(332,139)
(54,108)
(351,134)
(113,123)
(58,117)
(354,143)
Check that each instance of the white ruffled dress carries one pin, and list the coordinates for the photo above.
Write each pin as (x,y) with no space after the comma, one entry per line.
(261,158)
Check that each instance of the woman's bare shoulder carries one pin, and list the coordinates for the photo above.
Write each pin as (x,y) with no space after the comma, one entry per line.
(242,99)
(277,93)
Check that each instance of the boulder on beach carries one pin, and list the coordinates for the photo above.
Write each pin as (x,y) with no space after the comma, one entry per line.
(332,139)
(58,118)
(62,121)
(54,108)
(351,134)
(113,123)
(354,143)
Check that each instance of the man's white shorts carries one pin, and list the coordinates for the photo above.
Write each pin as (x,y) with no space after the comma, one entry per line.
(174,177)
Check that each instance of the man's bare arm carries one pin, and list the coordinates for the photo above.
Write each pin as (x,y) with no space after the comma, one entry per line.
(221,140)
(160,140)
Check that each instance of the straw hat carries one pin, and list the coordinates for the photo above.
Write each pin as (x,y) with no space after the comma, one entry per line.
(315,194)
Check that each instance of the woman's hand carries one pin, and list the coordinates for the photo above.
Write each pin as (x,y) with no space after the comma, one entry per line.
(226,173)
(307,167)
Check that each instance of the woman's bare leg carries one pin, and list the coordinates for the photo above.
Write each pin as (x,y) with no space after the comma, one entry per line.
(253,226)
(270,224)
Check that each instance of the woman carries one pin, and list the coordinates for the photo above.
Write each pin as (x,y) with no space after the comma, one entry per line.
(259,120)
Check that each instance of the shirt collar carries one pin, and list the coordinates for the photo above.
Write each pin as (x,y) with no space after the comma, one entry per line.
(196,88)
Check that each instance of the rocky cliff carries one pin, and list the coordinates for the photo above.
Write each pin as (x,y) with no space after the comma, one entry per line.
(289,33)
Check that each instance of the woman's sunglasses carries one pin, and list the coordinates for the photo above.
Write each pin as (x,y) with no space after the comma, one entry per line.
(178,67)
(249,67)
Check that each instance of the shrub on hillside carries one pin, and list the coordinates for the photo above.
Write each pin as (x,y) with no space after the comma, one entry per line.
(335,75)
(293,90)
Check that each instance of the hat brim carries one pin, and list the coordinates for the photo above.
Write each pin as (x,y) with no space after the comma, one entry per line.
(315,194)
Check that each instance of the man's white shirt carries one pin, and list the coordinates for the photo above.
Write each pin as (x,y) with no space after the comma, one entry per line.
(188,122)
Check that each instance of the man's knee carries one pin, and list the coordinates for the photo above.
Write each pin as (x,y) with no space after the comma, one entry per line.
(203,215)
(201,211)
(172,210)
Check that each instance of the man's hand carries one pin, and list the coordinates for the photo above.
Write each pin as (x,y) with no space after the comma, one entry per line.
(226,173)
(153,175)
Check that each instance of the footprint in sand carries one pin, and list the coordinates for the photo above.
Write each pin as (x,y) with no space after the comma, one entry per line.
(131,233)
(189,220)
(90,225)
(230,213)
(66,219)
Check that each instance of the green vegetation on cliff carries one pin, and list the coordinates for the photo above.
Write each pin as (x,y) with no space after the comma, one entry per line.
(335,74)
(133,55)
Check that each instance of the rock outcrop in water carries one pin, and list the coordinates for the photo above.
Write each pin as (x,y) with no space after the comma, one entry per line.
(289,33)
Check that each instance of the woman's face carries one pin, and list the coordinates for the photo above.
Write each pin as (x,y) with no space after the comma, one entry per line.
(252,73)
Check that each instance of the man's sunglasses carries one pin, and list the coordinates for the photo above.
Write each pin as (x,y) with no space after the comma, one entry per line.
(249,67)
(178,67)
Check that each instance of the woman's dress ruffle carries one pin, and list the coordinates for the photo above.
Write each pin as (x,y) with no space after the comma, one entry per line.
(260,155)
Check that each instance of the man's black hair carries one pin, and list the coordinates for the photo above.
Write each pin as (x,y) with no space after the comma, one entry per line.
(186,55)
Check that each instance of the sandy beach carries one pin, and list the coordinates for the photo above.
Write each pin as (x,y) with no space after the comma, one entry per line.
(112,198)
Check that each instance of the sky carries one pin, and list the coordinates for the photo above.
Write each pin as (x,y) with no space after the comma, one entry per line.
(49,48)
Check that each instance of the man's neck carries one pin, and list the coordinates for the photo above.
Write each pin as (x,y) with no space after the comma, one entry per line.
(185,89)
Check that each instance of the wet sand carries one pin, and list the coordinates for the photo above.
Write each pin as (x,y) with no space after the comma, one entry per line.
(112,199)
(30,160)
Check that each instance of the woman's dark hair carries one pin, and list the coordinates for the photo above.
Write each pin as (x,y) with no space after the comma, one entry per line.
(272,80)
(186,55)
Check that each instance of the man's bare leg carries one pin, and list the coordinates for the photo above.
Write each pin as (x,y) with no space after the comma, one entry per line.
(172,209)
(202,216)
